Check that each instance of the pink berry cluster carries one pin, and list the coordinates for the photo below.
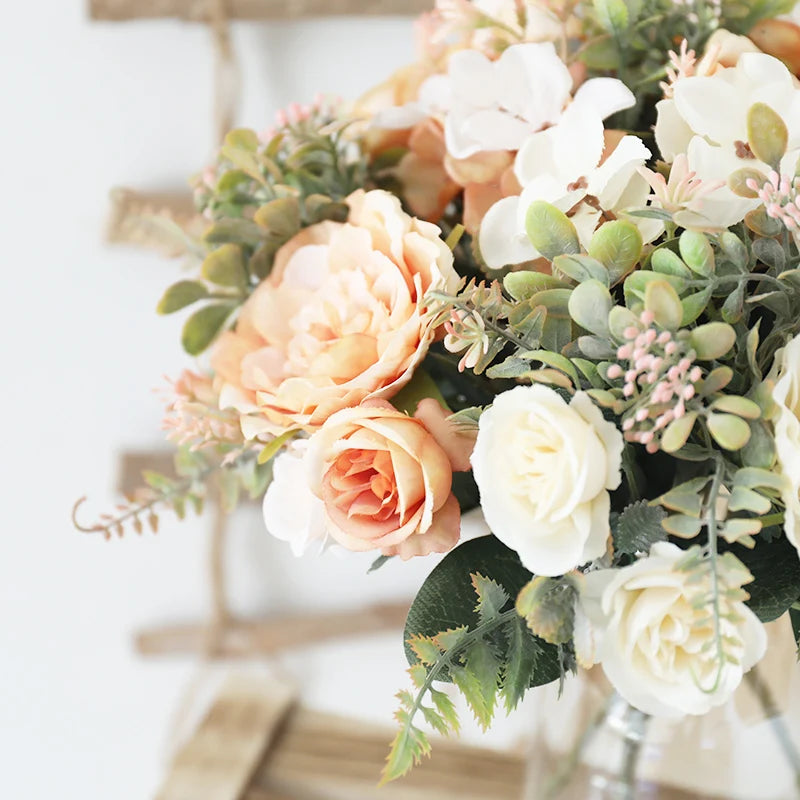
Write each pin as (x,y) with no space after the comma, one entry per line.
(779,195)
(659,382)
(193,416)
(321,111)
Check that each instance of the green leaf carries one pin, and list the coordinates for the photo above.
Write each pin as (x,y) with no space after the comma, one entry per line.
(697,253)
(225,267)
(794,619)
(280,217)
(776,572)
(524,284)
(239,231)
(694,305)
(378,563)
(682,526)
(663,301)
(203,326)
(180,295)
(589,305)
(713,340)
(677,432)
(740,406)
(617,246)
(420,387)
(479,681)
(729,431)
(767,134)
(524,654)
(446,599)
(638,528)
(425,649)
(666,262)
(551,231)
(272,448)
(243,139)
(581,268)
(548,606)
(612,15)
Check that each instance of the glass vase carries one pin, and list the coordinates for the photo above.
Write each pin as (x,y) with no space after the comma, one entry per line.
(592,745)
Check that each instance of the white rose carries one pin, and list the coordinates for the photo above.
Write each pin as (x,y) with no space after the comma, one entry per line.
(786,395)
(291,511)
(657,643)
(543,468)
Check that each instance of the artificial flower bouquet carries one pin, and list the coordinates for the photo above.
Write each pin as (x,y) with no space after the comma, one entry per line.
(549,271)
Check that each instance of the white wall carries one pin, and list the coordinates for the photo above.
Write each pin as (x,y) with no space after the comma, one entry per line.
(84,107)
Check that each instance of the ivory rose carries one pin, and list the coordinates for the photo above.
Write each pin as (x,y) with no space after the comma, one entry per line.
(786,395)
(341,318)
(648,626)
(384,479)
(544,468)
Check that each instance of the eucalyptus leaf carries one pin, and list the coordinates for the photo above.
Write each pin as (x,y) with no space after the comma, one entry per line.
(550,230)
(203,326)
(180,295)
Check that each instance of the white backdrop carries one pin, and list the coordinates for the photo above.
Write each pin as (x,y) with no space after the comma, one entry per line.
(85,107)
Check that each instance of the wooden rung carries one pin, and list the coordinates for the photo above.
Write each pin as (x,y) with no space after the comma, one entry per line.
(325,756)
(219,759)
(198,10)
(243,638)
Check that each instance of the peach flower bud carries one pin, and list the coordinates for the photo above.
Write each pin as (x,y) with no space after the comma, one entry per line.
(385,481)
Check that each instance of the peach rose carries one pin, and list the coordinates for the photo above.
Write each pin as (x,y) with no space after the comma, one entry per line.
(385,479)
(341,319)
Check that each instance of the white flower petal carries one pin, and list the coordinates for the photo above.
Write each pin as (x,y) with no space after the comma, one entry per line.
(500,239)
(603,97)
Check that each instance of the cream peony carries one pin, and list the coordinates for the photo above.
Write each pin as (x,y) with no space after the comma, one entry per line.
(341,318)
(656,643)
(786,395)
(380,479)
(544,468)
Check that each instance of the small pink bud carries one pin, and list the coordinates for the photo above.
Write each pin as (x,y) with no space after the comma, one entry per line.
(628,424)
(695,374)
(647,317)
(671,348)
(615,371)
(630,332)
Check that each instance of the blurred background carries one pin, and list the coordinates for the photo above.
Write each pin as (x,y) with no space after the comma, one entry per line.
(88,106)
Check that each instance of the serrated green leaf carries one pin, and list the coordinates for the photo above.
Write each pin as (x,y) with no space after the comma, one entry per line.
(180,295)
(425,649)
(446,599)
(548,606)
(444,705)
(435,720)
(524,651)
(492,597)
(638,528)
